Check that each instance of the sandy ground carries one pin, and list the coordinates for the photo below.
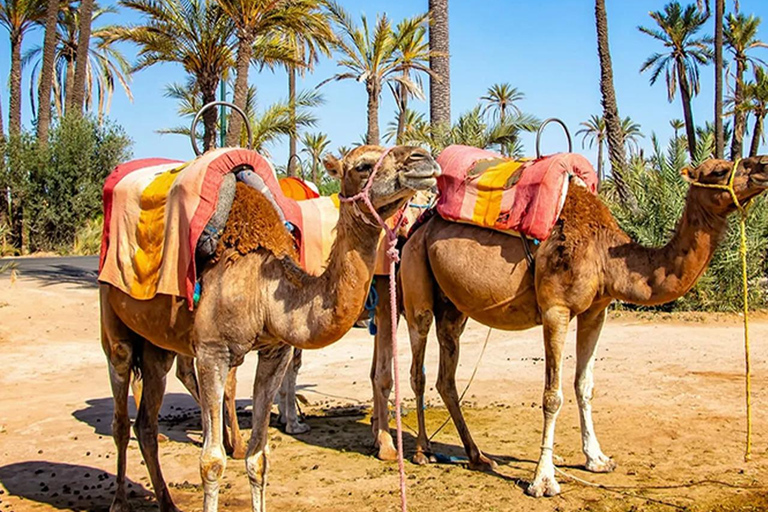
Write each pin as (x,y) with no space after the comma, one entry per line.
(668,406)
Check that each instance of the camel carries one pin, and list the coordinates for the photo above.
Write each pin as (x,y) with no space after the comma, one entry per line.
(451,272)
(380,374)
(260,300)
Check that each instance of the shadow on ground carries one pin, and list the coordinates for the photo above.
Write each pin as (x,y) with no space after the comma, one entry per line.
(67,487)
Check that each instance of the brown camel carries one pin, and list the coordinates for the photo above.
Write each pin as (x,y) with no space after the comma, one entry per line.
(260,301)
(454,271)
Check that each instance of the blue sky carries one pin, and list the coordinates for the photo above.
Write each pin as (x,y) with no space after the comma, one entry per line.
(547,49)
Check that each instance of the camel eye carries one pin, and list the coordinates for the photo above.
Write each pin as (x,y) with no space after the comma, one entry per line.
(365,167)
(719,174)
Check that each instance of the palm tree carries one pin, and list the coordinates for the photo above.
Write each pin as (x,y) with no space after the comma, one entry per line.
(440,64)
(756,102)
(315,144)
(677,125)
(46,75)
(81,59)
(610,108)
(631,133)
(500,98)
(254,18)
(267,126)
(594,131)
(412,52)
(680,64)
(106,64)
(741,36)
(409,126)
(18,16)
(369,57)
(194,33)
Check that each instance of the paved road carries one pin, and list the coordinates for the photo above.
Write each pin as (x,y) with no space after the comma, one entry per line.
(67,269)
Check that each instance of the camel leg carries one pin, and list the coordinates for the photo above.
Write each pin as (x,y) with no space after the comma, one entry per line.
(287,402)
(381,372)
(212,369)
(590,323)
(269,374)
(234,444)
(117,345)
(450,324)
(418,329)
(156,363)
(555,321)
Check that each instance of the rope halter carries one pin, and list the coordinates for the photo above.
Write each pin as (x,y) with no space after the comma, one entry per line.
(365,196)
(743,210)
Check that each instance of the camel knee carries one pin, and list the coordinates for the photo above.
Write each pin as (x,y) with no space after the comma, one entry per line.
(256,465)
(552,402)
(212,465)
(446,385)
(584,393)
(383,382)
(418,378)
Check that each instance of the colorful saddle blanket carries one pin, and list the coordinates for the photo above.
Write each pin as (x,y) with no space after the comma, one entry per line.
(158,211)
(515,196)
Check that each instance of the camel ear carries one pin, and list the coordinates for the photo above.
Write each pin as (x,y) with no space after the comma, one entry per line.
(685,172)
(333,166)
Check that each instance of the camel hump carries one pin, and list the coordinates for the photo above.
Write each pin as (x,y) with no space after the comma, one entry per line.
(253,224)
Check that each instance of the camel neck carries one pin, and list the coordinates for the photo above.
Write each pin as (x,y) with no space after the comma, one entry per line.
(325,307)
(650,276)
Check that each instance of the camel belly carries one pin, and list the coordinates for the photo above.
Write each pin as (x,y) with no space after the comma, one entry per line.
(484,273)
(164,321)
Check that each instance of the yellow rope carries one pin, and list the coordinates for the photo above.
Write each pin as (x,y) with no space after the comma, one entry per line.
(743,211)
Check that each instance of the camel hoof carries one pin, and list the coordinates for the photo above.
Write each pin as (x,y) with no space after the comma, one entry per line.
(483,463)
(602,464)
(547,486)
(387,452)
(297,428)
(239,452)
(421,459)
(162,438)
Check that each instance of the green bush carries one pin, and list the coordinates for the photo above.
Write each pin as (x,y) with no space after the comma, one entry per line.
(57,189)
(88,237)
(659,191)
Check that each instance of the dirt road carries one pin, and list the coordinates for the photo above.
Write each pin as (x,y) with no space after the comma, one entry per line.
(668,406)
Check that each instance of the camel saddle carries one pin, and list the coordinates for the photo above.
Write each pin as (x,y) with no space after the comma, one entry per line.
(163,218)
(518,197)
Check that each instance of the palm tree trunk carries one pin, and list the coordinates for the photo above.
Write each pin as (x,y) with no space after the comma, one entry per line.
(314,171)
(208,89)
(402,114)
(2,130)
(242,66)
(685,95)
(14,121)
(68,83)
(614,134)
(373,113)
(757,134)
(719,136)
(739,116)
(600,173)
(46,75)
(292,113)
(81,60)
(440,64)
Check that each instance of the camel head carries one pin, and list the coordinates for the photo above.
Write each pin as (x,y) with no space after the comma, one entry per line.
(403,171)
(750,180)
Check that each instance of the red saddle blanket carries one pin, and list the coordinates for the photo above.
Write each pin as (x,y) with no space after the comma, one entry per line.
(515,196)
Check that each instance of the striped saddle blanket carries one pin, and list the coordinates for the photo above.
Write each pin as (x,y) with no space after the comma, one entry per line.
(483,188)
(159,214)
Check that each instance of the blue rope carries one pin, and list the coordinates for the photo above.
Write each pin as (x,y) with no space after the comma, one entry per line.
(371,302)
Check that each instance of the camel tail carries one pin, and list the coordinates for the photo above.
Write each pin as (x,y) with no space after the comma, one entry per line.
(136,359)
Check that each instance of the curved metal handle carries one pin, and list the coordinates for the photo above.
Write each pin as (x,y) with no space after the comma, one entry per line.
(205,107)
(541,129)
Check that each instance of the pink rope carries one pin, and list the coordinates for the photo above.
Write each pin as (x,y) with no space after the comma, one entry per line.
(393,257)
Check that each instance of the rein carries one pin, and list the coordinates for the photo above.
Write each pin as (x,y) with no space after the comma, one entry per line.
(393,257)
(743,211)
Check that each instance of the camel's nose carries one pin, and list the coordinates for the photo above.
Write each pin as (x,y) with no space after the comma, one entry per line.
(422,158)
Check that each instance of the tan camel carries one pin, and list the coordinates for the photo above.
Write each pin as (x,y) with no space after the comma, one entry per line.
(453,271)
(258,301)
(381,366)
